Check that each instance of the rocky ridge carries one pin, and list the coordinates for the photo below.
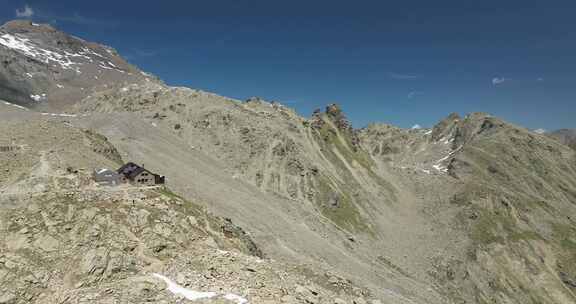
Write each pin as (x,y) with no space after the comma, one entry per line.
(434,168)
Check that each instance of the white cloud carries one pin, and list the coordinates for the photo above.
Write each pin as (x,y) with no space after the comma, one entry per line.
(416,127)
(26,12)
(499,80)
(29,12)
(540,79)
(413,94)
(398,76)
(540,131)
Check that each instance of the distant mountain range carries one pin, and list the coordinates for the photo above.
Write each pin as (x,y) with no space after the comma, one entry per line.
(565,136)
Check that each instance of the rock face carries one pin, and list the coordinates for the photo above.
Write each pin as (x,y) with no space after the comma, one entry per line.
(473,210)
(44,68)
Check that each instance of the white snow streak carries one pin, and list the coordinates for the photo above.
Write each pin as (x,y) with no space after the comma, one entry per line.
(14,105)
(26,47)
(446,141)
(193,295)
(235,298)
(540,131)
(185,292)
(59,114)
(62,58)
(440,168)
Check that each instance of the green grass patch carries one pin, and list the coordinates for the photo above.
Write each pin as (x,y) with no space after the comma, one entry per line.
(330,137)
(345,215)
(566,235)
(524,236)
(499,227)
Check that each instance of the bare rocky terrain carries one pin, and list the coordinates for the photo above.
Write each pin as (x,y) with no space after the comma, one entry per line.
(67,240)
(272,207)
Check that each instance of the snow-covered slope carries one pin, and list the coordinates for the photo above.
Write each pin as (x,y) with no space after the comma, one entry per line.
(45,68)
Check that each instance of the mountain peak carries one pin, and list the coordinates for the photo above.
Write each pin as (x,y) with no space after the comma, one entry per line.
(45,68)
(25,26)
(336,115)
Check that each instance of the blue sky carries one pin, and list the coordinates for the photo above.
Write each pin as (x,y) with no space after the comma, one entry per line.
(400,62)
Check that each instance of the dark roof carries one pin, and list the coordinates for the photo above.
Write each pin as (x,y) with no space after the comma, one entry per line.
(131,170)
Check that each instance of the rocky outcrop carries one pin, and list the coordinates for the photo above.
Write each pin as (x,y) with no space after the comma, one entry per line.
(337,118)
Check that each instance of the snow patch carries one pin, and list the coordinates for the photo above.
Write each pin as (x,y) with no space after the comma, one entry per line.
(446,141)
(38,97)
(26,47)
(58,114)
(444,158)
(15,105)
(235,298)
(440,168)
(110,68)
(540,131)
(193,295)
(87,51)
(185,292)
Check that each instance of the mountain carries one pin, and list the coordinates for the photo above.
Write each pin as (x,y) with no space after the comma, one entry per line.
(473,210)
(65,240)
(44,68)
(565,136)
